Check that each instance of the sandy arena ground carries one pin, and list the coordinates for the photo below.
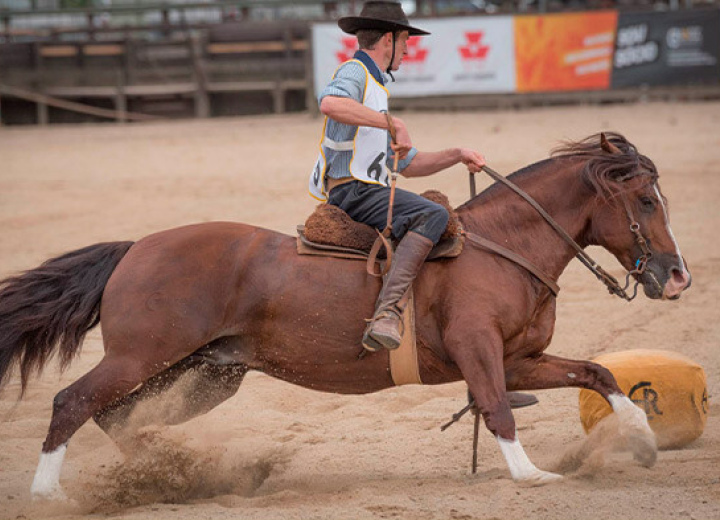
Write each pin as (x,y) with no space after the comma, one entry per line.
(275,451)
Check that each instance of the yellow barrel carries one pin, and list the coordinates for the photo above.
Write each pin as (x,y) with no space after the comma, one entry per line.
(669,387)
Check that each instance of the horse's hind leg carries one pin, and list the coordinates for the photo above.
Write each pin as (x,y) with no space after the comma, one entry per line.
(113,378)
(546,371)
(204,387)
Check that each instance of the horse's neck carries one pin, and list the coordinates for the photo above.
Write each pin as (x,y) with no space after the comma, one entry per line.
(501,215)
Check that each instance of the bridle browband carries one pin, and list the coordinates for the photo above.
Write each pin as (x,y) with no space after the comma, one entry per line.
(610,282)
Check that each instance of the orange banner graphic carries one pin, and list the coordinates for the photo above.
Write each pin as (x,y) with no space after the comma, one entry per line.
(564,51)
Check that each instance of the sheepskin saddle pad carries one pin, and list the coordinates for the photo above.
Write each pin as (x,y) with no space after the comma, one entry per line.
(329,231)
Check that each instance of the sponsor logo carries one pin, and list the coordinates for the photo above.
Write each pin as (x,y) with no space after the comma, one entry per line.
(348,47)
(633,47)
(474,49)
(474,55)
(643,395)
(677,37)
(416,52)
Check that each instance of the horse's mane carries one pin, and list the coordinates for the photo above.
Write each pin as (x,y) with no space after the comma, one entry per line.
(603,170)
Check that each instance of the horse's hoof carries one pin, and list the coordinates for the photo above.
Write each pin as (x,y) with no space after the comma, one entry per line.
(539,478)
(638,435)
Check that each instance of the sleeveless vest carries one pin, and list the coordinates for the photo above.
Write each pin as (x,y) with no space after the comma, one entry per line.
(369,147)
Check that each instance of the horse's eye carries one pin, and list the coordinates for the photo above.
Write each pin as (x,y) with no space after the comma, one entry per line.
(647,203)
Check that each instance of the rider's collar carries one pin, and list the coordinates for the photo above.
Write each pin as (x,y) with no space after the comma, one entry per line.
(371,66)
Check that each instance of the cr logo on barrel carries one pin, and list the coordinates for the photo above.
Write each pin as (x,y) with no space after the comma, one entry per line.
(649,399)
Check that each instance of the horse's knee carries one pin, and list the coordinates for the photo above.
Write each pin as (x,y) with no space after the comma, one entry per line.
(602,380)
(500,421)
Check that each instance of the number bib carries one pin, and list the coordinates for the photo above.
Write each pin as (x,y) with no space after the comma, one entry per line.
(369,148)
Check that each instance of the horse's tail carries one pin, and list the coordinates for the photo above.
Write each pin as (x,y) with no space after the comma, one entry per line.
(52,307)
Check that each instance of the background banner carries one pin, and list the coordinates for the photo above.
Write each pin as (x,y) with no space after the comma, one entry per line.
(564,51)
(462,56)
(681,47)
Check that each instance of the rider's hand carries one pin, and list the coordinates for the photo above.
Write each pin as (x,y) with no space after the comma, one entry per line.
(402,144)
(472,159)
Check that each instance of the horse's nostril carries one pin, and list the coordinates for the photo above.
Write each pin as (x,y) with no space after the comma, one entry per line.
(680,277)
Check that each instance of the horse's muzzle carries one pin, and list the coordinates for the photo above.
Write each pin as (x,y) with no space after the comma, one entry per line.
(665,278)
(678,281)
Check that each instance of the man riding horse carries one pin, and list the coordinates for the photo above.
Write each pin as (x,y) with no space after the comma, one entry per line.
(356,149)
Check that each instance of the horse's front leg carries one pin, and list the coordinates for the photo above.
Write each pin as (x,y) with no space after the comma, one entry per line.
(546,371)
(479,356)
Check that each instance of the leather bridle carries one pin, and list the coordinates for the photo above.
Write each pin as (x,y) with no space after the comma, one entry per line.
(610,282)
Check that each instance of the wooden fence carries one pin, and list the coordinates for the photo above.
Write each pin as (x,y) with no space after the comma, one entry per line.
(141,72)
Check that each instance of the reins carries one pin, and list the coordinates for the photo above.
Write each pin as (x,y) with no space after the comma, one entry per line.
(383,240)
(610,282)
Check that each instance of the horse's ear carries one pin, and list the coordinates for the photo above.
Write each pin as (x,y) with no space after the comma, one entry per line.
(607,145)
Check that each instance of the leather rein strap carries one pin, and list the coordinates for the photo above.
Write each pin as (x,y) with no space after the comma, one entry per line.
(383,239)
(610,282)
(513,257)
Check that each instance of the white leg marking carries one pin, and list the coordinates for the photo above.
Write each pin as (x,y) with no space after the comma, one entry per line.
(46,484)
(629,415)
(521,468)
(635,429)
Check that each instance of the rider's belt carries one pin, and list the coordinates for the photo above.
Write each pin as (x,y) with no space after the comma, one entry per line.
(334,183)
(339,146)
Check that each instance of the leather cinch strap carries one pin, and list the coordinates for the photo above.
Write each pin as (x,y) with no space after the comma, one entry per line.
(404,367)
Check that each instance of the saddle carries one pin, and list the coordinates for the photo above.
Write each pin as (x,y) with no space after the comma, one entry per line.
(329,231)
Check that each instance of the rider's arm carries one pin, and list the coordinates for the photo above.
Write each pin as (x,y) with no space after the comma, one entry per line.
(348,111)
(427,163)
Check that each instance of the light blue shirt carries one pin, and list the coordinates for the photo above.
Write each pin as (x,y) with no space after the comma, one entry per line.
(349,82)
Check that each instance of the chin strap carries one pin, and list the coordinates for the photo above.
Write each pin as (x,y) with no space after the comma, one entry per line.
(392,58)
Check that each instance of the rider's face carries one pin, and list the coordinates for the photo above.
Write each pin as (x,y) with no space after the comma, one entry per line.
(400,49)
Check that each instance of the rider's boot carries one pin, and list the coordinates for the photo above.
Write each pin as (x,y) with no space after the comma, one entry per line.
(384,330)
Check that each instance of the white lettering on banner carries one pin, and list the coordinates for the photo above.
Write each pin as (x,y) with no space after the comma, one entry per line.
(632,35)
(592,67)
(598,39)
(636,55)
(632,49)
(593,56)
(589,54)
(462,56)
(691,58)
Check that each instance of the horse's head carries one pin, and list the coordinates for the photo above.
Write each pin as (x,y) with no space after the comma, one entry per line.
(630,217)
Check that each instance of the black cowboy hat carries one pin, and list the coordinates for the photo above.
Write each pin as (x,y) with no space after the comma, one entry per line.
(383,16)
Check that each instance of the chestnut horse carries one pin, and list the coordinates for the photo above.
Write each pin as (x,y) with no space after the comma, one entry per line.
(224,298)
